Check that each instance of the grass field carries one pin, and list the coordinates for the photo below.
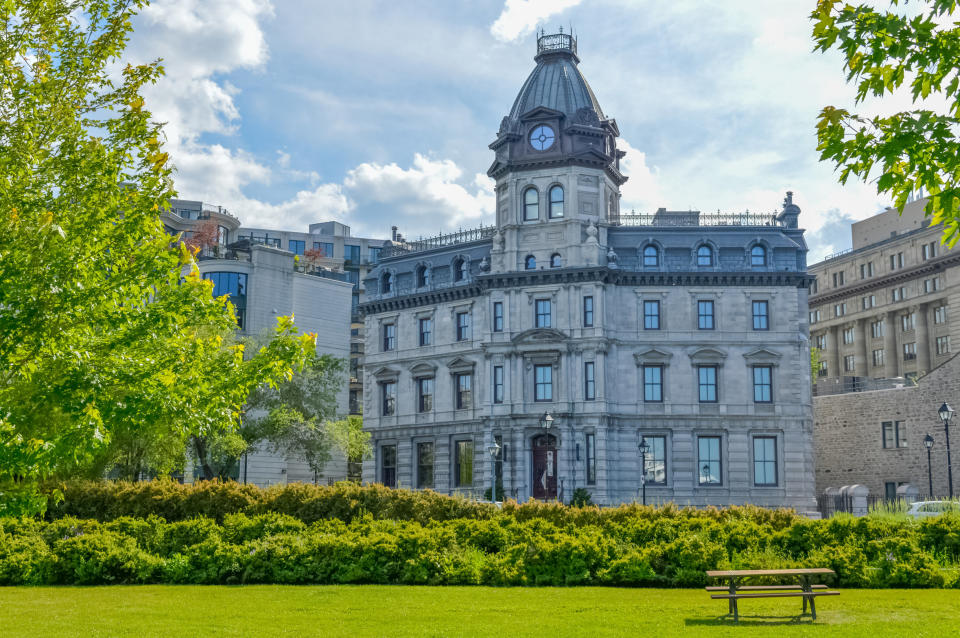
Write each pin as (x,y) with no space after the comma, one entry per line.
(355,611)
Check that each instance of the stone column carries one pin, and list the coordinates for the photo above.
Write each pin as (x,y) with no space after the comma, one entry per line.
(923,339)
(834,353)
(861,361)
(890,354)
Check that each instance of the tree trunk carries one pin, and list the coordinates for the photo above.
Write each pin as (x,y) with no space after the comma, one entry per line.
(201,450)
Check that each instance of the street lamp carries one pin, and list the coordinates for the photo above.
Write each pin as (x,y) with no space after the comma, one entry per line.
(705,473)
(546,421)
(928,443)
(945,413)
(493,450)
(644,449)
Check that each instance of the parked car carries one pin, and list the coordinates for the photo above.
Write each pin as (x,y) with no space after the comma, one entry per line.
(922,509)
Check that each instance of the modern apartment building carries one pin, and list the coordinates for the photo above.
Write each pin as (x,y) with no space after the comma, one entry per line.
(542,352)
(886,308)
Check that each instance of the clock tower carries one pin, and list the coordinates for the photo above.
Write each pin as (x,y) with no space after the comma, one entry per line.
(557,168)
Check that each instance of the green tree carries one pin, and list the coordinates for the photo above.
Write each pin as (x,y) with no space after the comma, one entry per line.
(814,363)
(910,151)
(349,438)
(105,323)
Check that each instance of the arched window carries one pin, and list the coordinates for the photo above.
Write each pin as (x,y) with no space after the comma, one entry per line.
(555,261)
(530,263)
(704,256)
(386,282)
(758,256)
(531,205)
(423,277)
(650,256)
(459,269)
(556,201)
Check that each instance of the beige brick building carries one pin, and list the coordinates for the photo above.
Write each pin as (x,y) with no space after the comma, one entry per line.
(887,308)
(875,438)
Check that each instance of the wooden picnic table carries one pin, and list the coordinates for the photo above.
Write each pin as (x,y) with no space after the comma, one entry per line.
(803,586)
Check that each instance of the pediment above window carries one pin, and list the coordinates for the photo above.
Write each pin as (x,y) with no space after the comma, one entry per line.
(541,113)
(539,336)
(707,356)
(423,370)
(652,356)
(762,356)
(386,374)
(459,365)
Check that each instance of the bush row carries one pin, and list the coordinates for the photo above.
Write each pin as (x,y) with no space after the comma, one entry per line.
(645,550)
(107,500)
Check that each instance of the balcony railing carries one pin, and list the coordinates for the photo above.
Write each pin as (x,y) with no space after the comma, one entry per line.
(696,218)
(440,241)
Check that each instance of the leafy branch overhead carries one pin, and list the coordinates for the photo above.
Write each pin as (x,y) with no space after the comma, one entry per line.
(912,46)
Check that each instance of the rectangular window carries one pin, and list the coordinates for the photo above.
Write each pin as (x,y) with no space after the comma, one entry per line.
(909,351)
(866,270)
(761,315)
(906,322)
(931,285)
(896,261)
(425,394)
(591,459)
(764,461)
(652,384)
(543,318)
(839,309)
(373,252)
(463,461)
(707,381)
(848,363)
(389,337)
(651,315)
(822,371)
(426,331)
(940,315)
(498,384)
(425,465)
(837,279)
(589,381)
(543,383)
(847,336)
(943,345)
(463,326)
(814,286)
(388,398)
(929,250)
(877,358)
(352,254)
(763,384)
(498,316)
(464,385)
(296,246)
(894,434)
(898,294)
(325,248)
(821,341)
(876,329)
(655,468)
(388,465)
(708,460)
(705,315)
(869,302)
(588,312)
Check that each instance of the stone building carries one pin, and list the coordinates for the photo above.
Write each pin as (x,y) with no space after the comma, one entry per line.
(562,337)
(875,438)
(886,308)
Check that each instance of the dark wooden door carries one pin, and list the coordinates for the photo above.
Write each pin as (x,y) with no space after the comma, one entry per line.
(545,467)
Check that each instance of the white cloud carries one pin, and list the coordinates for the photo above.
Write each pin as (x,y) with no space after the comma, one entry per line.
(520,17)
(642,191)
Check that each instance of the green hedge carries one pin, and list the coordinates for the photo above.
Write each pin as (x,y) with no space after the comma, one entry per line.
(372,535)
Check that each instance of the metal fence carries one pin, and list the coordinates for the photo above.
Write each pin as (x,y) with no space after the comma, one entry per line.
(696,218)
(439,241)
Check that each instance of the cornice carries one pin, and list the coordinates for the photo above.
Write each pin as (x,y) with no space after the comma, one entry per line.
(876,283)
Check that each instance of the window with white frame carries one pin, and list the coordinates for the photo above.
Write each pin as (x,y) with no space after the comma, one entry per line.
(709,463)
(543,382)
(943,344)
(764,461)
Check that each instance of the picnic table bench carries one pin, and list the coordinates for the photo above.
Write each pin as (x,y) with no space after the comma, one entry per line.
(803,586)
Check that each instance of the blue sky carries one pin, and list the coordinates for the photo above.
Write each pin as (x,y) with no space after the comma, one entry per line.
(380,113)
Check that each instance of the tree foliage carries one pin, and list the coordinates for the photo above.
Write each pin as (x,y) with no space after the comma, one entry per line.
(106,327)
(910,151)
(349,438)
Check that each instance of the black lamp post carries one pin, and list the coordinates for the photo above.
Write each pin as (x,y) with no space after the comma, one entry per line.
(928,443)
(493,450)
(945,413)
(644,448)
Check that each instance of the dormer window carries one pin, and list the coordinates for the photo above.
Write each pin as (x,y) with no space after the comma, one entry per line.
(556,202)
(530,263)
(386,283)
(704,256)
(459,269)
(423,277)
(758,256)
(651,257)
(555,260)
(531,205)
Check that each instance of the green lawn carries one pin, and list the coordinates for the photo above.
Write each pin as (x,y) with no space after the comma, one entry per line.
(354,611)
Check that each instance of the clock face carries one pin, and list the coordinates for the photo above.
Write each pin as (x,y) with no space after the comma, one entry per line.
(541,138)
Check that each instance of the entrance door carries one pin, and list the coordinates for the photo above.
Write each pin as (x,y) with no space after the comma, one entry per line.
(545,467)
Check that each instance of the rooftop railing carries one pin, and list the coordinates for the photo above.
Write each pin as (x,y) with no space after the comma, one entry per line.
(439,241)
(556,42)
(696,218)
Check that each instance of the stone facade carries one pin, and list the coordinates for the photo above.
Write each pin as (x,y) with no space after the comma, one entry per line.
(849,435)
(621,327)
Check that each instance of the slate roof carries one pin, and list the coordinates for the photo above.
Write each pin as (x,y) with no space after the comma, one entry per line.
(556,83)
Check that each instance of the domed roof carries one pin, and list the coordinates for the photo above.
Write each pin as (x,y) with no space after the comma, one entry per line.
(556,82)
